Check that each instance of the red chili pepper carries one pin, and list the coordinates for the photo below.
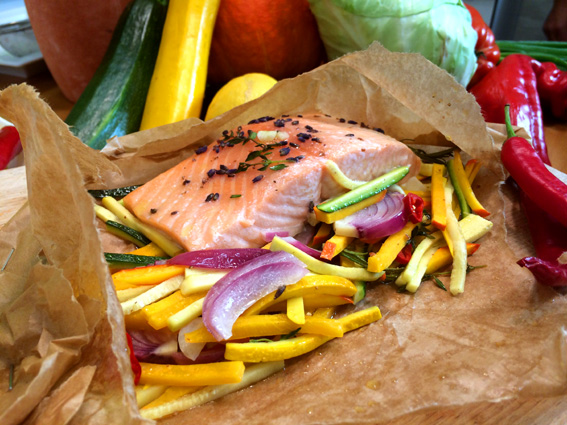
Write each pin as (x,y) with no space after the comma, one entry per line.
(404,256)
(10,145)
(550,241)
(513,82)
(413,205)
(552,87)
(136,368)
(486,49)
(530,173)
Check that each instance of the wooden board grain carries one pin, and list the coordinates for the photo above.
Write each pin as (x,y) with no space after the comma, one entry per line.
(13,192)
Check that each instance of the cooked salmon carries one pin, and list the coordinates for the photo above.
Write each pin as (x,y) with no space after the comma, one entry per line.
(262,177)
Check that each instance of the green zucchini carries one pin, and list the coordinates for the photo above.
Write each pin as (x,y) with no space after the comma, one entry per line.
(360,291)
(364,191)
(129,261)
(115,193)
(127,233)
(113,102)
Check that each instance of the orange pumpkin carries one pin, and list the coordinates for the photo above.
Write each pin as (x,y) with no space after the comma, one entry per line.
(275,37)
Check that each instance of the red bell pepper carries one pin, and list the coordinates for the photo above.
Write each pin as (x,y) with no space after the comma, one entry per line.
(404,256)
(514,82)
(10,145)
(552,87)
(486,49)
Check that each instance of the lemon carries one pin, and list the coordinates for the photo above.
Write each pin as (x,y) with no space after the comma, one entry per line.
(238,91)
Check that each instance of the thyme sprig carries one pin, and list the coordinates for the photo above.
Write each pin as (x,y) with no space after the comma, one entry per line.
(439,157)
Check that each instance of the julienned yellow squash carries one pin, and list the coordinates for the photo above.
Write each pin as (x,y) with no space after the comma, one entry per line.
(178,82)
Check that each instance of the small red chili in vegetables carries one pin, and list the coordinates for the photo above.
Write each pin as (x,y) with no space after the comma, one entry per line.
(530,173)
(9,145)
(513,82)
(486,49)
(413,205)
(136,368)
(404,256)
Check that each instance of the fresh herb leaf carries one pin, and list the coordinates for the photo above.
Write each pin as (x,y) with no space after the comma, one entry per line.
(261,340)
(278,167)
(289,335)
(439,157)
(235,196)
(439,283)
(360,258)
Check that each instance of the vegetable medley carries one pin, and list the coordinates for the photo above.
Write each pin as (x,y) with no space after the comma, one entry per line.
(203,324)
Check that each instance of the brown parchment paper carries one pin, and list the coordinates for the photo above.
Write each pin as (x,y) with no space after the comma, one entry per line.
(62,328)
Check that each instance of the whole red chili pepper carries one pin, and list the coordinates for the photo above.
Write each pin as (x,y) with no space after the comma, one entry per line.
(552,87)
(530,173)
(136,368)
(513,82)
(413,205)
(486,49)
(550,242)
(10,145)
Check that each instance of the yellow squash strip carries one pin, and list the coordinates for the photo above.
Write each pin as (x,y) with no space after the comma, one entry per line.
(170,394)
(323,233)
(145,394)
(137,321)
(252,374)
(446,236)
(466,187)
(312,302)
(149,275)
(390,249)
(158,318)
(443,257)
(200,281)
(438,210)
(126,217)
(255,352)
(309,285)
(105,215)
(182,317)
(345,212)
(459,252)
(339,177)
(335,246)
(271,324)
(471,169)
(426,169)
(150,250)
(177,87)
(163,304)
(317,266)
(152,295)
(128,294)
(415,279)
(296,310)
(360,318)
(191,375)
(411,268)
(325,312)
(425,194)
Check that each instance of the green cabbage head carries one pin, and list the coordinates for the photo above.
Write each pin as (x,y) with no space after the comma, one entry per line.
(438,29)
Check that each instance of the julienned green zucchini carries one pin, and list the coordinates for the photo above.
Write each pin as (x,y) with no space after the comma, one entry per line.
(128,261)
(127,233)
(113,102)
(364,191)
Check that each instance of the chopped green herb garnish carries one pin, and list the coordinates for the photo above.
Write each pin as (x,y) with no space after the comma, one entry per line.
(439,157)
(360,258)
(289,335)
(236,195)
(261,340)
(439,283)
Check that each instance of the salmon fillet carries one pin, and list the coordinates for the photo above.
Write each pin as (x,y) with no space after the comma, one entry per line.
(219,199)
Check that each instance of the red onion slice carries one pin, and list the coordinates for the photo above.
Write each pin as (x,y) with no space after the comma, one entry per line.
(376,221)
(242,287)
(268,236)
(190,349)
(217,258)
(307,249)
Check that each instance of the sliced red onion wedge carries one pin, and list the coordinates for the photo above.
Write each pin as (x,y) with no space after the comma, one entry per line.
(217,258)
(190,349)
(268,236)
(307,249)
(242,287)
(376,221)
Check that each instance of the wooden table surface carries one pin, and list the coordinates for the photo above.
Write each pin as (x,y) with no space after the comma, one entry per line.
(533,411)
